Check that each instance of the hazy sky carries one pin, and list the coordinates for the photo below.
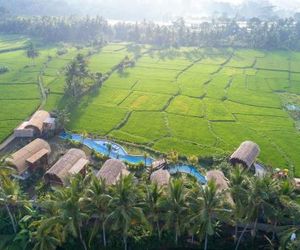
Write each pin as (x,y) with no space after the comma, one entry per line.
(281,3)
(166,9)
(289,4)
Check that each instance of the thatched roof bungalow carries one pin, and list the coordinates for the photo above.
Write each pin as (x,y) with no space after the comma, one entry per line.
(33,127)
(221,182)
(160,177)
(37,120)
(35,154)
(112,170)
(73,162)
(158,164)
(246,154)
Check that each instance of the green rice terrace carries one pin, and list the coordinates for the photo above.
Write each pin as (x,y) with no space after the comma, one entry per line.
(196,101)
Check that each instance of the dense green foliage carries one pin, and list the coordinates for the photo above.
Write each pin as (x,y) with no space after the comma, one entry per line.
(254,33)
(89,214)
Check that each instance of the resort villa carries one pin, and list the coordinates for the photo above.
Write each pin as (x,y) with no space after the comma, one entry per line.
(32,156)
(160,177)
(158,164)
(221,182)
(39,125)
(112,170)
(246,154)
(73,162)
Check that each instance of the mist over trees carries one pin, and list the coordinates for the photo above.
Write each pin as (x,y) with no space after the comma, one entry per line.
(221,32)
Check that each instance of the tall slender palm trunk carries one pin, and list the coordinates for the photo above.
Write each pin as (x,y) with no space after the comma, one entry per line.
(241,236)
(125,241)
(103,234)
(81,239)
(158,229)
(235,233)
(11,217)
(205,242)
(273,233)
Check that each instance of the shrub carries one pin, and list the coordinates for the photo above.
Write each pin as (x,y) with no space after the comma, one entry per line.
(135,167)
(98,156)
(3,69)
(61,51)
(75,144)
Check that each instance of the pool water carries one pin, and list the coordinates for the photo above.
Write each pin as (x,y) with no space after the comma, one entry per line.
(118,152)
(100,146)
(292,107)
(188,170)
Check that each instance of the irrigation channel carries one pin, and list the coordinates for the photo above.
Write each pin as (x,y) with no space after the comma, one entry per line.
(118,152)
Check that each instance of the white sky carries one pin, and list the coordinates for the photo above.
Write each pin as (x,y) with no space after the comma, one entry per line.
(280,3)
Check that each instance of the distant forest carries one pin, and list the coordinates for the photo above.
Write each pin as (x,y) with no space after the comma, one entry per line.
(221,32)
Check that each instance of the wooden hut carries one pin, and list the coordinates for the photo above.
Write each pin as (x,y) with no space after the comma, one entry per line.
(111,171)
(158,164)
(160,177)
(32,156)
(221,182)
(73,162)
(33,127)
(246,154)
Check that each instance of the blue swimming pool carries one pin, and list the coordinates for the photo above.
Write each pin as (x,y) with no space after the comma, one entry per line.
(118,152)
(188,170)
(100,146)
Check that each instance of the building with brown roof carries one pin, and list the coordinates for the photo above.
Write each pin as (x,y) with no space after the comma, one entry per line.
(160,177)
(221,182)
(73,162)
(36,126)
(112,170)
(158,164)
(246,154)
(32,156)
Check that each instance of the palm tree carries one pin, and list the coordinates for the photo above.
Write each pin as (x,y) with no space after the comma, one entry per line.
(97,200)
(84,135)
(73,81)
(49,234)
(145,158)
(9,194)
(126,211)
(109,148)
(32,52)
(173,157)
(209,207)
(64,208)
(289,239)
(176,207)
(287,208)
(260,202)
(62,118)
(239,183)
(193,160)
(153,206)
(82,65)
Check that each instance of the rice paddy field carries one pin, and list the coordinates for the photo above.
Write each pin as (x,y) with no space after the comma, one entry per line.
(196,101)
(20,90)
